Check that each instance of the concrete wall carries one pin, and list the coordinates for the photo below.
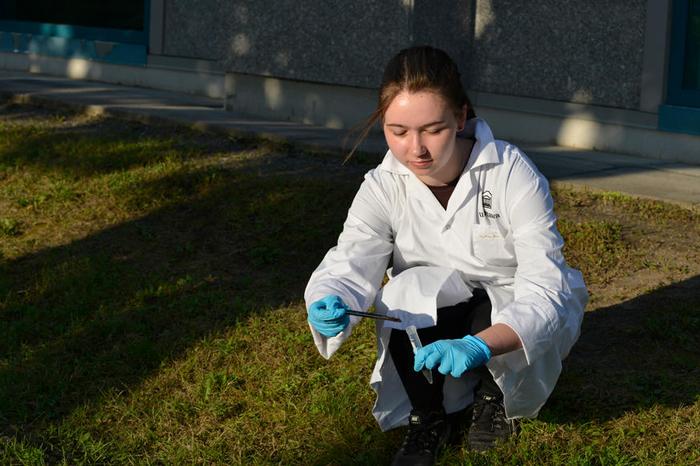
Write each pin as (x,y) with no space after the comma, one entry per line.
(584,51)
(334,42)
(588,74)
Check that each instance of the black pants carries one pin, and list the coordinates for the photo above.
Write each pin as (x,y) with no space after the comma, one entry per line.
(468,318)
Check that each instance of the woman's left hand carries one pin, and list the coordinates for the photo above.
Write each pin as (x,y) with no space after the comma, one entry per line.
(454,357)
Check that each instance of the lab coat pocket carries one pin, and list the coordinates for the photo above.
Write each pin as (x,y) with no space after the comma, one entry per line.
(491,247)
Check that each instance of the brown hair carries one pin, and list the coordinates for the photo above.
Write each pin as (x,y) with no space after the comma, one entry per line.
(415,69)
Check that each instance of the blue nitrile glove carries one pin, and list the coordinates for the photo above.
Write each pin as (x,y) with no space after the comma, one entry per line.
(328,315)
(455,357)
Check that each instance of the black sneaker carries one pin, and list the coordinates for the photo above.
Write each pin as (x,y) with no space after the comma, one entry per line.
(489,423)
(426,435)
(459,422)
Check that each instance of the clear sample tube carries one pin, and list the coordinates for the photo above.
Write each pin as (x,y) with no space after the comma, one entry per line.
(416,344)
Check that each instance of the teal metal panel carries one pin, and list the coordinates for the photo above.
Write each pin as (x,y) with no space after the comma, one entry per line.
(54,46)
(679,119)
(71,32)
(677,94)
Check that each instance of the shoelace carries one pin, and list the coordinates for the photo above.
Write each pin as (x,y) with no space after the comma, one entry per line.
(494,411)
(479,406)
(498,419)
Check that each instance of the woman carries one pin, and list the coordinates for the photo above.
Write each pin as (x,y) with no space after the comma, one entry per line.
(468,225)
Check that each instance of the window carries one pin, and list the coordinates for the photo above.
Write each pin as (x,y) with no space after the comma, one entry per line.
(119,14)
(682,110)
(684,71)
(114,31)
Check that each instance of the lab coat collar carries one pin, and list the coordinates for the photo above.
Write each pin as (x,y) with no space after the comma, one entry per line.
(391,164)
(483,153)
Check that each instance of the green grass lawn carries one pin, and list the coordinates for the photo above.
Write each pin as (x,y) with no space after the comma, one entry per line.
(151,283)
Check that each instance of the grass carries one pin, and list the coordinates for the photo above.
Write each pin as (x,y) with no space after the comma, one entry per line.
(150,300)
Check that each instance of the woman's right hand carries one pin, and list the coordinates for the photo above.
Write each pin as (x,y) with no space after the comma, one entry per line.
(328,315)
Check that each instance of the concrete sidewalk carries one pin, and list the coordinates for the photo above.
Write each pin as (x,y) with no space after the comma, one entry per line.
(656,179)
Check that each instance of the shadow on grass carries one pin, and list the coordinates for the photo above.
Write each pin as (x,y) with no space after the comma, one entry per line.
(105,311)
(98,146)
(85,147)
(631,356)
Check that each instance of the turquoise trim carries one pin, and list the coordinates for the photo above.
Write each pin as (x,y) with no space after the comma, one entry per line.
(679,119)
(52,46)
(68,31)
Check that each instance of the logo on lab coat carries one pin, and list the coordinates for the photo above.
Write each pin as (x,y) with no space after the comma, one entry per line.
(486,198)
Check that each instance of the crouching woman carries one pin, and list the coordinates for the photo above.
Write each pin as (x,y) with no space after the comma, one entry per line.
(467,223)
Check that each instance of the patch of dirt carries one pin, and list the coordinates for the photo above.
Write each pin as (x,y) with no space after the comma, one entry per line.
(662,242)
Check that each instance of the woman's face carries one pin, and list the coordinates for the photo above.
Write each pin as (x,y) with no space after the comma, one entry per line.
(420,129)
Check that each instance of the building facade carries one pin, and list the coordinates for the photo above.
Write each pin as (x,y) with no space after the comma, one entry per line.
(622,76)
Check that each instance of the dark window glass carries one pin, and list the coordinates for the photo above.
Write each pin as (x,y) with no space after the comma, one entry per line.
(121,14)
(691,65)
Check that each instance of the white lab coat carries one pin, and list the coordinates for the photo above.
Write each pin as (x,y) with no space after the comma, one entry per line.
(498,233)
